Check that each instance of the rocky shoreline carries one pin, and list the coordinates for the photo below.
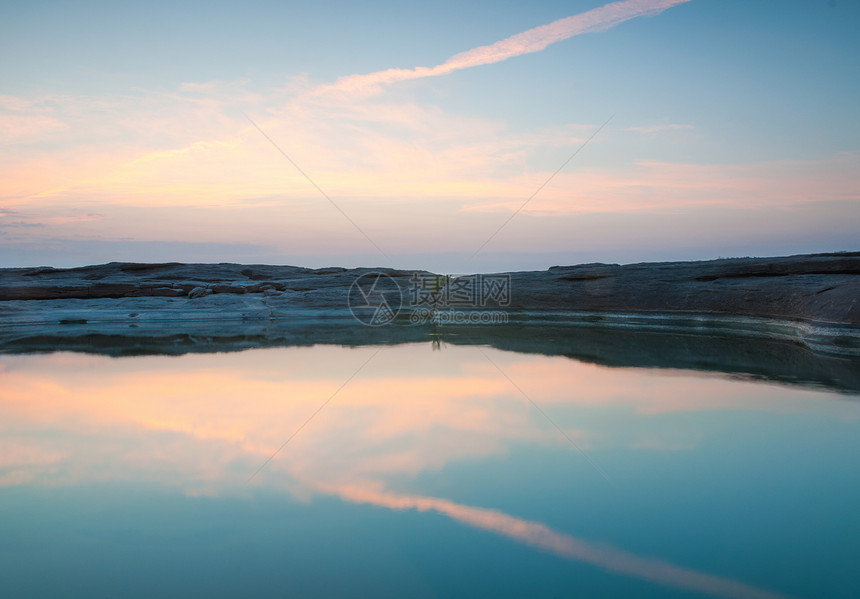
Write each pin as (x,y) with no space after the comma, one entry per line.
(792,320)
(810,300)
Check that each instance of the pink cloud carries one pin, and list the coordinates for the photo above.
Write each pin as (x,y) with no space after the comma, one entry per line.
(22,128)
(653,186)
(532,40)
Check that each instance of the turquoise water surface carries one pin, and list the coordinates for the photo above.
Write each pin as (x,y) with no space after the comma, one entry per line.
(398,471)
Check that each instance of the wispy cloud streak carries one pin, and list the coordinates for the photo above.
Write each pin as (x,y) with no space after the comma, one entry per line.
(532,40)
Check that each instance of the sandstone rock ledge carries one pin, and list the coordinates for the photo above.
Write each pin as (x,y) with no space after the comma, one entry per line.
(810,300)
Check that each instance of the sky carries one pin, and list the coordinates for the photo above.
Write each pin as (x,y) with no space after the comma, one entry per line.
(456,137)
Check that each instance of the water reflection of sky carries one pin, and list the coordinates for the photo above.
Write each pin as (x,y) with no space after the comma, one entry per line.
(731,488)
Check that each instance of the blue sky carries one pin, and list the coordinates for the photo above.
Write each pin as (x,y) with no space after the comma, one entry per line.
(734,131)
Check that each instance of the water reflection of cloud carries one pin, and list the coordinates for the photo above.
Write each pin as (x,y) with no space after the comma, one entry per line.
(409,411)
(544,538)
(203,423)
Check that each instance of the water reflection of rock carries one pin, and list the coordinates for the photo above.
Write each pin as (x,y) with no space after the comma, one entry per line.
(733,354)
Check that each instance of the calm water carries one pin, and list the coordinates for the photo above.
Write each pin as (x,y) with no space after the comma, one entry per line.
(455,473)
